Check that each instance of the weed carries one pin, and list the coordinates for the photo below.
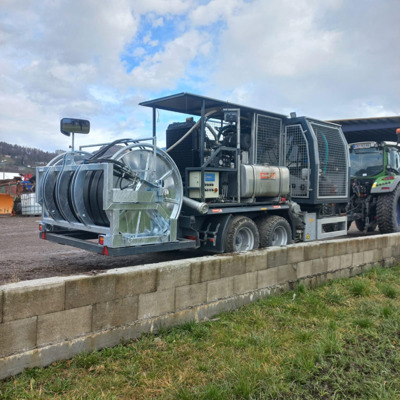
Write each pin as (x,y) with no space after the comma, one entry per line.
(359,287)
(389,291)
(364,323)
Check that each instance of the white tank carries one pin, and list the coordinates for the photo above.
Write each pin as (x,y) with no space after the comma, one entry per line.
(263,181)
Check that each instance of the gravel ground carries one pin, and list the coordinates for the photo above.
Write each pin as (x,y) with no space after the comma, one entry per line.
(24,256)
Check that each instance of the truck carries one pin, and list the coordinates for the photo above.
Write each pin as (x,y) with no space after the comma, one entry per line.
(232,178)
(375,189)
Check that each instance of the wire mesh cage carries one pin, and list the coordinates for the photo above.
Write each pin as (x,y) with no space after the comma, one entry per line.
(268,140)
(298,161)
(333,179)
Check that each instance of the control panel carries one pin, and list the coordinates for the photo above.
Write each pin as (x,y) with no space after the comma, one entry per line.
(211,184)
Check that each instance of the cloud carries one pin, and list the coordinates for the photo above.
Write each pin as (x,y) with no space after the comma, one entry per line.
(96,60)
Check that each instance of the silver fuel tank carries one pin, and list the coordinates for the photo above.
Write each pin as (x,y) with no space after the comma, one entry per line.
(263,181)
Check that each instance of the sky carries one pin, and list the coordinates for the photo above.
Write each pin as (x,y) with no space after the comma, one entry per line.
(97,59)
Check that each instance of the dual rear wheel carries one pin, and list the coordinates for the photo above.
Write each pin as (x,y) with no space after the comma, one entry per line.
(244,234)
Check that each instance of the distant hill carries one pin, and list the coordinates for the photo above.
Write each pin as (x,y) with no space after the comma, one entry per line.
(22,158)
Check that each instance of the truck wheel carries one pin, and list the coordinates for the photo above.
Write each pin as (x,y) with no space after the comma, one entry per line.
(242,235)
(388,211)
(360,224)
(274,231)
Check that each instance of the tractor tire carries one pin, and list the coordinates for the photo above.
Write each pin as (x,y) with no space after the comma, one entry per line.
(388,211)
(360,224)
(242,235)
(274,231)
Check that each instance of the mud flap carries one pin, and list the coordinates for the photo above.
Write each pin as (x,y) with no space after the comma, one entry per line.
(213,233)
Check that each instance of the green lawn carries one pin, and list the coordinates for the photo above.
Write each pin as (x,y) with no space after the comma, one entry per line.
(339,341)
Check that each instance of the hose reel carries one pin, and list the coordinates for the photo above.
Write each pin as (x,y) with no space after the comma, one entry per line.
(133,195)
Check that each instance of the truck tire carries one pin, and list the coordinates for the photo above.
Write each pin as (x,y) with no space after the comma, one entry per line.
(388,211)
(242,235)
(274,231)
(360,224)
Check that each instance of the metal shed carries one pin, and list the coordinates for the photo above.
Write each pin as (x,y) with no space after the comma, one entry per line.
(370,129)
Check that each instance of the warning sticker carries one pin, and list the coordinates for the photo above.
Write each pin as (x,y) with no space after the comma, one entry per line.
(267,175)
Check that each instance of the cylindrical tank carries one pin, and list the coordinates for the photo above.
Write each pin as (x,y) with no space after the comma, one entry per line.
(263,181)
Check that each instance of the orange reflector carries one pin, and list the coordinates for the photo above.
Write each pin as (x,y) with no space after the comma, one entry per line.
(101,240)
(215,190)
(212,240)
(191,237)
(40,228)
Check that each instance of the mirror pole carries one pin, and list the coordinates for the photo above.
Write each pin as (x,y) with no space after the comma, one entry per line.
(73,141)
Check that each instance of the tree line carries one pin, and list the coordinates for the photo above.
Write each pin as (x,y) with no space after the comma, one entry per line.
(24,155)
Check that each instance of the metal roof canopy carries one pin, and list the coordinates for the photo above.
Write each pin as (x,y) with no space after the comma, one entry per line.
(192,104)
(370,129)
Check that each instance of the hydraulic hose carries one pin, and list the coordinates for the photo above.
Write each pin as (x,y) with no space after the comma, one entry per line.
(190,131)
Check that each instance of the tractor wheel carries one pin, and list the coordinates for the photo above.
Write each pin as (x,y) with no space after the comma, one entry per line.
(360,224)
(242,235)
(388,211)
(274,231)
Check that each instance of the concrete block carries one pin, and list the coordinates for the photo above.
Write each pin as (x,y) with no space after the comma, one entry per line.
(333,263)
(17,336)
(287,273)
(342,247)
(368,256)
(387,252)
(277,256)
(32,299)
(369,243)
(62,325)
(135,281)
(353,246)
(267,278)
(312,251)
(191,295)
(330,248)
(115,313)
(390,262)
(157,303)
(245,283)
(111,337)
(346,260)
(358,258)
(233,265)
(295,253)
(318,266)
(175,319)
(82,291)
(219,289)
(345,273)
(378,257)
(357,270)
(394,243)
(173,274)
(304,269)
(205,269)
(1,306)
(256,260)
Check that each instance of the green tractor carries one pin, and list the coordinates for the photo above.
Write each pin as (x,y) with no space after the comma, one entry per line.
(375,188)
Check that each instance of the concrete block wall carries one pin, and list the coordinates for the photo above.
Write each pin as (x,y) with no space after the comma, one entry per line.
(46,320)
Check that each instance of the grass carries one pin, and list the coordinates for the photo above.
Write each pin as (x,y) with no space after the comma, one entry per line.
(339,341)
